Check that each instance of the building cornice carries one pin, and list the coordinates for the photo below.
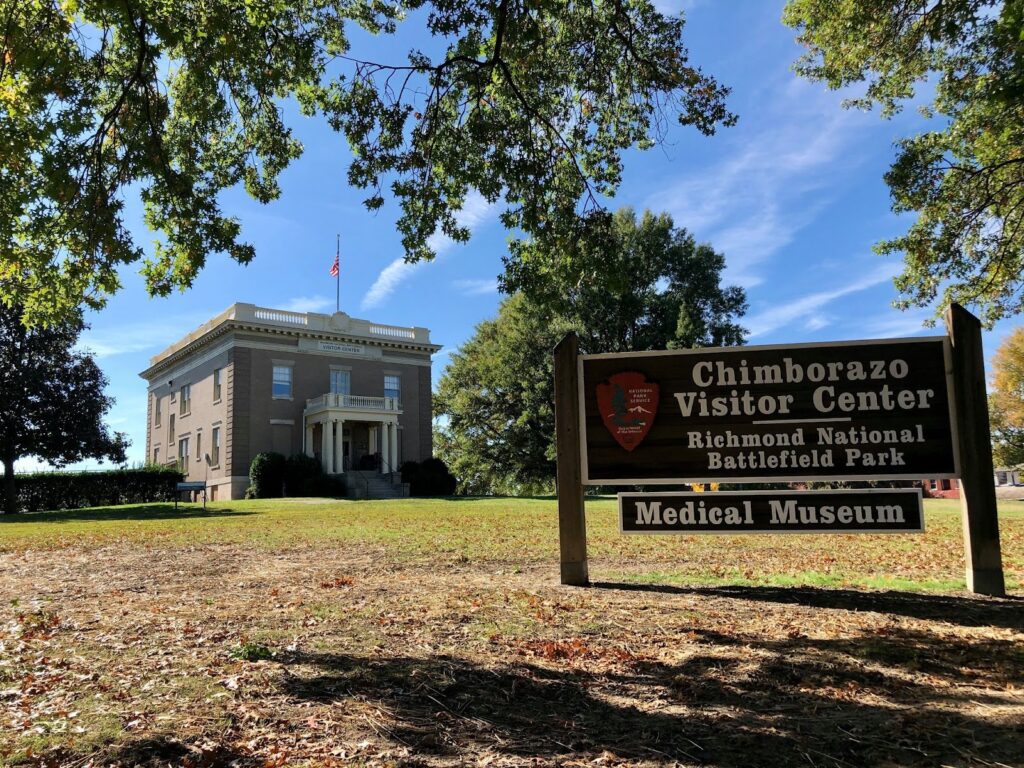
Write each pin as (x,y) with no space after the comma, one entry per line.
(338,327)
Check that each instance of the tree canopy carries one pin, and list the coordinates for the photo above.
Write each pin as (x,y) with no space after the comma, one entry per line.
(51,399)
(965,177)
(529,103)
(645,284)
(648,286)
(497,401)
(1006,401)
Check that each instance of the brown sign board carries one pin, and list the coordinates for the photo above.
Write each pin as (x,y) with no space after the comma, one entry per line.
(887,510)
(879,409)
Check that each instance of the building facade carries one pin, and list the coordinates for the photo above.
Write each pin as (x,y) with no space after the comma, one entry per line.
(354,394)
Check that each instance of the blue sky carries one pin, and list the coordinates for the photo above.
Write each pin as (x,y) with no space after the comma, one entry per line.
(793,195)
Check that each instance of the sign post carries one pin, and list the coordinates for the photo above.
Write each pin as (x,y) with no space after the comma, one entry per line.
(572,525)
(977,487)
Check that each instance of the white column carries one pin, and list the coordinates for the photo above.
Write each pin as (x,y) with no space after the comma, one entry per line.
(339,446)
(328,447)
(384,455)
(393,444)
(308,446)
(373,439)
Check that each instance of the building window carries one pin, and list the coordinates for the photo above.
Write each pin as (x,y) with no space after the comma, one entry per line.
(341,383)
(216,385)
(215,447)
(156,410)
(156,455)
(282,386)
(185,401)
(199,446)
(183,455)
(393,387)
(170,429)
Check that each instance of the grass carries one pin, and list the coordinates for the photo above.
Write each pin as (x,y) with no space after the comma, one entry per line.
(524,531)
(434,632)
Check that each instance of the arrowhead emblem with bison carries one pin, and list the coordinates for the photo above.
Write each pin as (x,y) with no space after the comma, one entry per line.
(628,404)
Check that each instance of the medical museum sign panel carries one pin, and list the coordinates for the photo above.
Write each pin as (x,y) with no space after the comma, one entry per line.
(887,510)
(845,410)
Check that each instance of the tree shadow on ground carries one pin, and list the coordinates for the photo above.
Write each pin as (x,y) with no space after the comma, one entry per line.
(151,752)
(162,511)
(964,611)
(853,701)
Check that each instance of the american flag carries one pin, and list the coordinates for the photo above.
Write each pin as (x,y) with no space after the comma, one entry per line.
(334,266)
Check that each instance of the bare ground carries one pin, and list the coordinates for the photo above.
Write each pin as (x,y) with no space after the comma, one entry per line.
(127,655)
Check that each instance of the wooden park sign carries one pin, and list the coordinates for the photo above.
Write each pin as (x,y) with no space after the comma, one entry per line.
(864,409)
(879,409)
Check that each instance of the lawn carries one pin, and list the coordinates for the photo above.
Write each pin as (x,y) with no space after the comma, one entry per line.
(434,632)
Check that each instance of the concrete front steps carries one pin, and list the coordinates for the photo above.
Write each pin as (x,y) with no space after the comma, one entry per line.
(363,484)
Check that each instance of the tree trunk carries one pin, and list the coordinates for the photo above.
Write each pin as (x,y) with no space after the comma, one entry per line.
(10,496)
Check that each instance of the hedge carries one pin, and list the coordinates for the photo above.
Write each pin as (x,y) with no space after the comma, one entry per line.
(41,491)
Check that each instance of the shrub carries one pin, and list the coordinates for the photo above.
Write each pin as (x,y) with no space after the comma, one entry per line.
(409,470)
(266,475)
(429,478)
(73,490)
(301,475)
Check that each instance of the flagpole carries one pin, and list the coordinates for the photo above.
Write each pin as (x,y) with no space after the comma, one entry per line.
(337,277)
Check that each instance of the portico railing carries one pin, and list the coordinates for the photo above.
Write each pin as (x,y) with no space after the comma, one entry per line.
(355,402)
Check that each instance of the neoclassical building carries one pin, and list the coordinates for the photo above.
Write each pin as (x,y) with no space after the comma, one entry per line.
(353,393)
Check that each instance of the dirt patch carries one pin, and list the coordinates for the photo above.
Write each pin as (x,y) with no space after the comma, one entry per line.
(133,655)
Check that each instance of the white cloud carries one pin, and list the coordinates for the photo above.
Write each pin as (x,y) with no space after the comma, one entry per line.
(134,337)
(896,323)
(473,214)
(309,304)
(476,287)
(811,305)
(386,282)
(753,204)
(817,322)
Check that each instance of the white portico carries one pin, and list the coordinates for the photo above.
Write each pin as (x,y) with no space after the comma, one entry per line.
(335,416)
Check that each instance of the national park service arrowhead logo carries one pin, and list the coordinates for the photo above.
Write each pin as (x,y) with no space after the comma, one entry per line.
(628,404)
